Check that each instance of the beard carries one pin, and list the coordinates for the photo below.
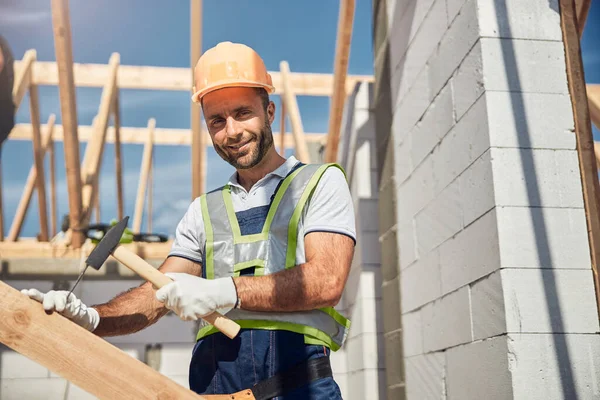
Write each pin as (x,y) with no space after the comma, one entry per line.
(260,145)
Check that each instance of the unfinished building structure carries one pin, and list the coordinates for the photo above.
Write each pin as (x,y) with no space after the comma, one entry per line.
(471,162)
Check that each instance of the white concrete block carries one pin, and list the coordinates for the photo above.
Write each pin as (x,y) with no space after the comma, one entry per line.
(175,359)
(466,142)
(420,49)
(532,19)
(441,219)
(530,120)
(403,160)
(555,366)
(394,359)
(414,194)
(366,384)
(371,250)
(540,67)
(452,8)
(363,100)
(479,370)
(370,282)
(470,255)
(447,321)
(476,188)
(407,246)
(458,40)
(412,334)
(367,317)
(436,122)
(425,377)
(467,83)
(33,389)
(182,380)
(363,175)
(542,238)
(411,106)
(536,178)
(15,365)
(365,351)
(421,282)
(540,301)
(403,30)
(76,393)
(342,382)
(339,362)
(488,307)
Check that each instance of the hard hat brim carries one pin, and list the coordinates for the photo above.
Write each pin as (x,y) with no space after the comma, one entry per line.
(197,96)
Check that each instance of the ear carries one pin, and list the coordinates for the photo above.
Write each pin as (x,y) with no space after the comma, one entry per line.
(271,112)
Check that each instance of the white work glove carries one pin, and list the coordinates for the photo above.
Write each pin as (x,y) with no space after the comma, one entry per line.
(192,297)
(73,308)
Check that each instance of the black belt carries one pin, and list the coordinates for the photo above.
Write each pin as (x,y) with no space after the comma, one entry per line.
(298,376)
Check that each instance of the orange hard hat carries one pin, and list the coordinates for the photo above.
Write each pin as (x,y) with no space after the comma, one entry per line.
(229,65)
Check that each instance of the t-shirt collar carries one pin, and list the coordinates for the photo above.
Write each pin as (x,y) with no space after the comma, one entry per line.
(282,171)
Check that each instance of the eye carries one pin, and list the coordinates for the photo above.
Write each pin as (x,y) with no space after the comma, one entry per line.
(244,113)
(216,122)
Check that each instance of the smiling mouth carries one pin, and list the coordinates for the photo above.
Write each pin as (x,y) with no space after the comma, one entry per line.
(239,145)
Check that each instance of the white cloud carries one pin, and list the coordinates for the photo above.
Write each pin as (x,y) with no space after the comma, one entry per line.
(12,16)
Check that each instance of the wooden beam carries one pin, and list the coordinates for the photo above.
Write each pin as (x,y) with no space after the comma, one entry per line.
(118,159)
(66,88)
(77,355)
(177,79)
(340,71)
(282,130)
(38,159)
(93,154)
(593,93)
(53,204)
(582,8)
(23,78)
(135,135)
(144,170)
(19,218)
(195,52)
(150,195)
(583,132)
(294,114)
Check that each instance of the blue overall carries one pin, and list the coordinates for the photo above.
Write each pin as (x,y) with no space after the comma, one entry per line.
(221,365)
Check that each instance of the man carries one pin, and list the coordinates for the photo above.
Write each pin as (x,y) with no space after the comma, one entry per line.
(7,107)
(272,249)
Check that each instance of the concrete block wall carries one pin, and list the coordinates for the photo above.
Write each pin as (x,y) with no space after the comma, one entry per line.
(359,365)
(492,295)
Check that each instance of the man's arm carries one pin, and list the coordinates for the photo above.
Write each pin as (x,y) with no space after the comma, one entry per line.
(138,308)
(315,284)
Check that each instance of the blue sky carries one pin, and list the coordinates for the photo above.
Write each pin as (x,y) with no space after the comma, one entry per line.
(152,32)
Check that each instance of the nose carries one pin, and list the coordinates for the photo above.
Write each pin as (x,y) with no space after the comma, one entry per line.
(233,128)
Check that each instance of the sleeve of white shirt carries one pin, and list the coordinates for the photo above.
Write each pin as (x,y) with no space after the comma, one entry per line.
(189,235)
(330,208)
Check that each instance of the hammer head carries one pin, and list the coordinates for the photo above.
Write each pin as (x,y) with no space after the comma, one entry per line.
(107,245)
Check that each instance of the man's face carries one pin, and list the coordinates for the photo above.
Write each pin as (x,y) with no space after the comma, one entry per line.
(238,125)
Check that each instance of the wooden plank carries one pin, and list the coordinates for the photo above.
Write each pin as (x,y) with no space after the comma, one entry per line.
(30,248)
(294,114)
(135,135)
(92,161)
(66,88)
(195,52)
(143,181)
(340,71)
(593,93)
(582,8)
(38,159)
(177,79)
(23,78)
(118,159)
(77,355)
(583,132)
(19,218)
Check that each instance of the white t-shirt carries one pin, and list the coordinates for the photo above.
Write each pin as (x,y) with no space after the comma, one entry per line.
(330,209)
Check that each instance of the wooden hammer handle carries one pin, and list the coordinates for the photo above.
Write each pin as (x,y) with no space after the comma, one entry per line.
(148,272)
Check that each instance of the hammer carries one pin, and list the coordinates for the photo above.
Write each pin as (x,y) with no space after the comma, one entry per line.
(110,245)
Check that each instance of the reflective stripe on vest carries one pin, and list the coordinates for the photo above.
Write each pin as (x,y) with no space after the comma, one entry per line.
(227,253)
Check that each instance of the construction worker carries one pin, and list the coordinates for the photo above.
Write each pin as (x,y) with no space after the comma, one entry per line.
(272,249)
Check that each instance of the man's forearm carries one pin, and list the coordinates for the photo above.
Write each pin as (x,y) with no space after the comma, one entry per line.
(129,312)
(295,289)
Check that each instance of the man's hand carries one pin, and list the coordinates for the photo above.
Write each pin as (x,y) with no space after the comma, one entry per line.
(72,308)
(192,297)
